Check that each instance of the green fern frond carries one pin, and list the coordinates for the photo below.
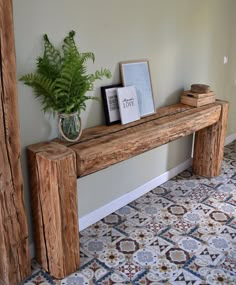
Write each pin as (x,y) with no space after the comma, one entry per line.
(69,44)
(46,68)
(85,56)
(39,81)
(50,52)
(41,85)
(61,80)
(99,74)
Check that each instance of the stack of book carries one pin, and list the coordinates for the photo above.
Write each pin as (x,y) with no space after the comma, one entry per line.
(198,95)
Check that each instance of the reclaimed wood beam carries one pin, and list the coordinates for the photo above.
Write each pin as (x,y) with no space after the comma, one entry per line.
(54,207)
(96,154)
(14,240)
(103,130)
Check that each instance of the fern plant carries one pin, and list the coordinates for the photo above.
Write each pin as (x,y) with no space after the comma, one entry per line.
(61,80)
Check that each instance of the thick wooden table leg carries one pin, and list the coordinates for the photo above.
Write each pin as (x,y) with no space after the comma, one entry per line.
(54,207)
(209,146)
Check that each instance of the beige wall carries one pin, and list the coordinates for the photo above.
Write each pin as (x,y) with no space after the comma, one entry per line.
(184,41)
(230,82)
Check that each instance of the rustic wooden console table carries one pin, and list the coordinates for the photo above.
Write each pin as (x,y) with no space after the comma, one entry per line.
(54,167)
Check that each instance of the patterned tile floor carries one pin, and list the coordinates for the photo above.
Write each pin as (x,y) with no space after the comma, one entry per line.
(182,232)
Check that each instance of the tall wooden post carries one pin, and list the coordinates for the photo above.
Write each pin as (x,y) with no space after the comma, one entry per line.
(52,169)
(14,250)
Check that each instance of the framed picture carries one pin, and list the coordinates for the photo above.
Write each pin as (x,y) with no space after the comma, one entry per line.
(137,73)
(110,104)
(128,103)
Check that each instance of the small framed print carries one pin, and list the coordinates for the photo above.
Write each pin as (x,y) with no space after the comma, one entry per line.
(110,104)
(128,103)
(137,73)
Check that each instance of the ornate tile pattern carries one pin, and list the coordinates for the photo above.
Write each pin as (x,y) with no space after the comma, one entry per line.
(38,278)
(182,232)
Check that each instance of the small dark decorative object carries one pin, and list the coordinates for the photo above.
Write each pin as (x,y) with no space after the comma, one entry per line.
(200,88)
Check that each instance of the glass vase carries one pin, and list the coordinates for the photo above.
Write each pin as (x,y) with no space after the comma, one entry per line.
(69,127)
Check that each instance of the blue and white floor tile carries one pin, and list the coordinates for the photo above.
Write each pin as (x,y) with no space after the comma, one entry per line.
(182,232)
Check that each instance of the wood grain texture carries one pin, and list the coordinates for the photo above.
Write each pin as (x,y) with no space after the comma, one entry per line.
(209,146)
(198,95)
(100,131)
(197,102)
(54,207)
(200,88)
(14,247)
(96,154)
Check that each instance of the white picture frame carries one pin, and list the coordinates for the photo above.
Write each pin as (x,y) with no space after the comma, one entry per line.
(137,73)
(128,104)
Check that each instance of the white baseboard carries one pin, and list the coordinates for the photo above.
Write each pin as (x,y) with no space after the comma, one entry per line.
(120,202)
(230,139)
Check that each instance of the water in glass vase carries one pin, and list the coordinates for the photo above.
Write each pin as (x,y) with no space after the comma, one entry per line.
(69,127)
